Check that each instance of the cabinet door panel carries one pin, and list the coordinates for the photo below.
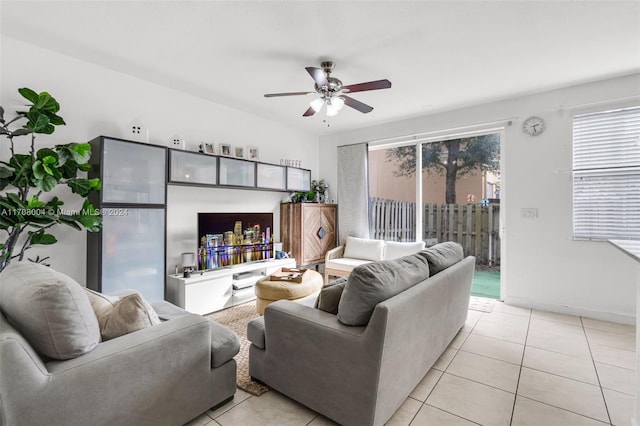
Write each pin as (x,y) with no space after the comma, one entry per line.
(237,172)
(298,179)
(271,176)
(133,173)
(133,252)
(190,167)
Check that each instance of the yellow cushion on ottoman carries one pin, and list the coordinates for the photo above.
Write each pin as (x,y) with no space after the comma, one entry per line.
(269,291)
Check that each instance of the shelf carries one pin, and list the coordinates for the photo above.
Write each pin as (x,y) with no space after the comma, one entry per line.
(199,169)
(209,291)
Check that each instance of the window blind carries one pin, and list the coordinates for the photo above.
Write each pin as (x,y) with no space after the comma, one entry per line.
(606,175)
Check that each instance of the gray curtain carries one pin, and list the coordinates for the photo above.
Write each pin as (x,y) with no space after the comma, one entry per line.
(353,191)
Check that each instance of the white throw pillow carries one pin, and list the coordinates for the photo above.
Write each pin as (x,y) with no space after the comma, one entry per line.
(118,317)
(364,248)
(395,249)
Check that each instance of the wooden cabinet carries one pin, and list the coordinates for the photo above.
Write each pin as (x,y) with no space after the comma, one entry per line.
(308,230)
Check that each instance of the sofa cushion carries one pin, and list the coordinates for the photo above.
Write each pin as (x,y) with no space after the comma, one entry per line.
(443,255)
(345,264)
(396,249)
(50,310)
(370,284)
(364,248)
(329,297)
(130,313)
(225,344)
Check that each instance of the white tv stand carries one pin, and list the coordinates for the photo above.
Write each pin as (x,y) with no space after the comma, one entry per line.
(209,291)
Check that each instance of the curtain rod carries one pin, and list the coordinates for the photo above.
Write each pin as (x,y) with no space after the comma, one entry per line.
(594,103)
(417,136)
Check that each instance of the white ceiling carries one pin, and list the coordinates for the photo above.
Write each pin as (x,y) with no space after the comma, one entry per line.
(439,55)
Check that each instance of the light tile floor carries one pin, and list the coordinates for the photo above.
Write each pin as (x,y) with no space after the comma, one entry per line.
(513,366)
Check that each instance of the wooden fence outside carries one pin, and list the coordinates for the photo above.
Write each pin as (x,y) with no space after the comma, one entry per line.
(474,226)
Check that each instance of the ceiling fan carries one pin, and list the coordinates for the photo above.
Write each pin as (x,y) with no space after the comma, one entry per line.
(332,92)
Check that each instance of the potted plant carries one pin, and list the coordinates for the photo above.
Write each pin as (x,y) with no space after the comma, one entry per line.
(320,190)
(28,209)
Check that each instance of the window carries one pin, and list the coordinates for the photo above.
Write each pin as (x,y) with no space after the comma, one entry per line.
(606,175)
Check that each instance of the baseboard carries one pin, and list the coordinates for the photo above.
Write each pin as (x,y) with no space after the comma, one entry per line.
(570,310)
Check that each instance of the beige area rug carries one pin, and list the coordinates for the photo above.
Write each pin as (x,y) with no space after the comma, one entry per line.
(481,304)
(236,318)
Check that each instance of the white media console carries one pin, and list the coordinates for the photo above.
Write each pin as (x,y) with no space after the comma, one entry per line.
(209,291)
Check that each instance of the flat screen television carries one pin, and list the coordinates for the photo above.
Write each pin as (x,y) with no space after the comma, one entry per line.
(226,239)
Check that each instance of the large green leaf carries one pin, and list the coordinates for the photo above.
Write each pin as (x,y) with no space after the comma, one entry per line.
(43,238)
(38,170)
(21,132)
(56,120)
(46,152)
(2,115)
(81,152)
(70,221)
(6,170)
(34,202)
(15,200)
(83,186)
(46,184)
(43,100)
(28,94)
(90,217)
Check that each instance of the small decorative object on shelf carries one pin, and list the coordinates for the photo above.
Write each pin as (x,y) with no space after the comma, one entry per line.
(137,131)
(209,148)
(253,153)
(188,263)
(320,190)
(225,149)
(291,163)
(177,142)
(238,152)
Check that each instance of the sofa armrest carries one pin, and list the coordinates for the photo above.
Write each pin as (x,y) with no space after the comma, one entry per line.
(190,330)
(307,320)
(334,253)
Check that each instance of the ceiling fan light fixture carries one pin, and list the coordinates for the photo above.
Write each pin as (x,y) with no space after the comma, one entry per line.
(334,105)
(316,104)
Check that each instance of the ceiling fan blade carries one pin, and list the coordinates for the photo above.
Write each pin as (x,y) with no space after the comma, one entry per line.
(362,107)
(273,95)
(318,76)
(370,85)
(309,112)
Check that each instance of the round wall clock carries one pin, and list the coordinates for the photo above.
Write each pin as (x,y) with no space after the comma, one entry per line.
(533,126)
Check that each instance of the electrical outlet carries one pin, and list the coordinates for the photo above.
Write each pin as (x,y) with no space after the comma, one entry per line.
(529,213)
(177,142)
(137,131)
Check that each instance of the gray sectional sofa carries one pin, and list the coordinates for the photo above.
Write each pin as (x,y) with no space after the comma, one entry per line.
(407,312)
(165,374)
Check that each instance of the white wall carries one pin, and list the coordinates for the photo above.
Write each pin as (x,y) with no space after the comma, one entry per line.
(543,266)
(98,101)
